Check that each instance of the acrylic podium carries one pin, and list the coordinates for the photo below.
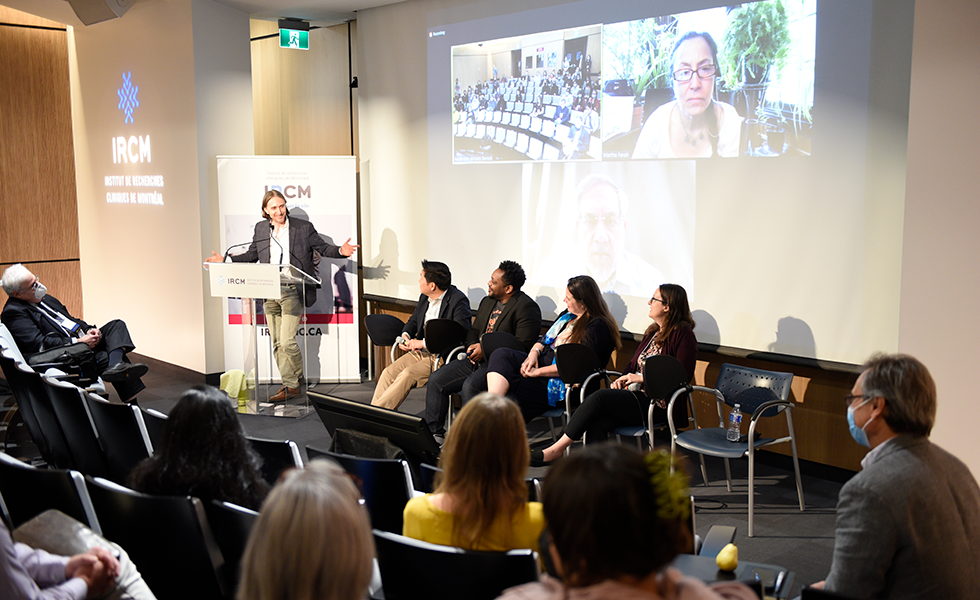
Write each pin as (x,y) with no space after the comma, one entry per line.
(253,283)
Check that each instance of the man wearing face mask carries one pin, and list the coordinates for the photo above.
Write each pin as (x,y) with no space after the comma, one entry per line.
(908,523)
(39,322)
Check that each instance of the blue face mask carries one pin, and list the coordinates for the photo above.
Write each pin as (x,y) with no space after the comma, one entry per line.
(858,433)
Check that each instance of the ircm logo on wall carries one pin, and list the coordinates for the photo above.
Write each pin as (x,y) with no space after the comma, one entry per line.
(134,149)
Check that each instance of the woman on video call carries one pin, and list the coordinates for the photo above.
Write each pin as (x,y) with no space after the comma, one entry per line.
(694,124)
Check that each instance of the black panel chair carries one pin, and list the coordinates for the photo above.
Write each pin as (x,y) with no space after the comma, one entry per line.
(385,484)
(231,525)
(664,378)
(77,425)
(760,394)
(444,338)
(428,478)
(122,433)
(583,374)
(462,573)
(35,406)
(168,537)
(27,491)
(156,426)
(383,330)
(277,456)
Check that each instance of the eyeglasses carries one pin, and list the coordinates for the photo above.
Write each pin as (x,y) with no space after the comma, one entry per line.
(850,398)
(704,72)
(655,299)
(607,221)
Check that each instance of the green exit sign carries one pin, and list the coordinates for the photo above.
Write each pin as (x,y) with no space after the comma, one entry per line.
(292,38)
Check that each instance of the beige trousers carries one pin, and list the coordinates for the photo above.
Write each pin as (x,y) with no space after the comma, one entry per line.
(400,377)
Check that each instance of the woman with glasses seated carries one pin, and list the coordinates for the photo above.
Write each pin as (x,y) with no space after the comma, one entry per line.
(694,124)
(616,520)
(480,501)
(625,403)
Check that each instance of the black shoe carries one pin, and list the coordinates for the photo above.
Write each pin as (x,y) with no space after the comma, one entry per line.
(122,371)
(537,458)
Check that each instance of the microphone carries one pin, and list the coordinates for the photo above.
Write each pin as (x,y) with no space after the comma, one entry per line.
(462,356)
(272,236)
(232,247)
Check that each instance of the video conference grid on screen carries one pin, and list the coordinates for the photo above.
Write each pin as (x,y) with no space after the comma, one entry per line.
(618,90)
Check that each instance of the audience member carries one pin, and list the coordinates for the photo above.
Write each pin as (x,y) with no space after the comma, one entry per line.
(694,124)
(480,501)
(28,573)
(204,454)
(38,322)
(616,520)
(625,403)
(439,300)
(312,540)
(908,524)
(506,308)
(531,378)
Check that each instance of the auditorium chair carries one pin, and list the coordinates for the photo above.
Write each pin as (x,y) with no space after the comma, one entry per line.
(168,538)
(79,430)
(760,394)
(277,456)
(428,478)
(156,426)
(27,491)
(122,433)
(385,485)
(34,404)
(231,525)
(404,563)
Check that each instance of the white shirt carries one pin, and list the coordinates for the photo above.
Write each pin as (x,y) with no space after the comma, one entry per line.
(282,236)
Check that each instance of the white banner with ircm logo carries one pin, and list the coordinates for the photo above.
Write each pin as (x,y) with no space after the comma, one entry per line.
(323,191)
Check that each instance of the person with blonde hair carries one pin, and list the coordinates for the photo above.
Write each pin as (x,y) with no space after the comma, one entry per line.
(312,540)
(480,501)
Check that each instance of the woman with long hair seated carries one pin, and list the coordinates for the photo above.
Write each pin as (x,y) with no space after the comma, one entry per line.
(480,500)
(625,403)
(312,540)
(617,519)
(204,454)
(531,378)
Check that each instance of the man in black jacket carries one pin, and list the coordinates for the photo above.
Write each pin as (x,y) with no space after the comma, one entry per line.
(506,308)
(439,300)
(39,322)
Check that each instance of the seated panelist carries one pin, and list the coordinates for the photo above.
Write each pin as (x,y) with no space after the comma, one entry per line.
(506,308)
(39,322)
(439,300)
(531,378)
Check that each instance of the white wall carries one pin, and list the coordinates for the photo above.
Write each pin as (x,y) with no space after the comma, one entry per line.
(142,263)
(940,278)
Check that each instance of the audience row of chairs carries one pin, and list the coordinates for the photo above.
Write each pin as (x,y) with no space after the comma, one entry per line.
(537,138)
(182,546)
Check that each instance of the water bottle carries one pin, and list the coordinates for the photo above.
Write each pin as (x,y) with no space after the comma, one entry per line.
(734,424)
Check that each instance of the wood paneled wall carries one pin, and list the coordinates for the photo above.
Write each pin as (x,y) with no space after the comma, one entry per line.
(38,212)
(301,98)
(819,418)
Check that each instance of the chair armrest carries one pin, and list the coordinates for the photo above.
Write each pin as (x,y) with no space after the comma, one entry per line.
(718,537)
